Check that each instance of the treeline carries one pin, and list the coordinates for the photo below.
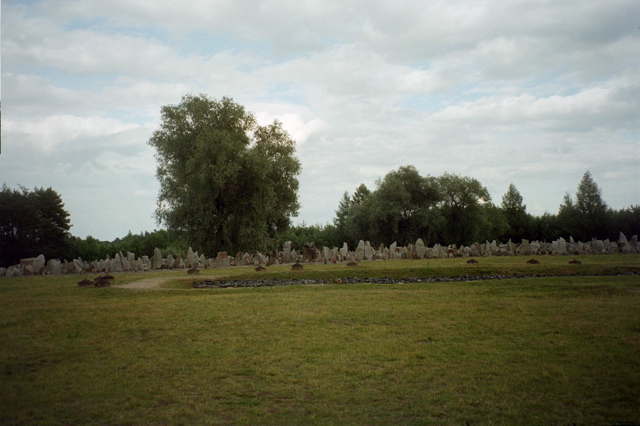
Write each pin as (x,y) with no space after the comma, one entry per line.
(404,206)
(34,222)
(453,209)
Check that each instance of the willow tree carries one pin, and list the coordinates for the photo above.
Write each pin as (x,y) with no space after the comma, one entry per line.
(226,182)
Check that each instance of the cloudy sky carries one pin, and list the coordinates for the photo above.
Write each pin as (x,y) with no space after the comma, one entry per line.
(533,93)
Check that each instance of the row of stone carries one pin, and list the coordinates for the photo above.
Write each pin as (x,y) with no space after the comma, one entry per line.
(310,253)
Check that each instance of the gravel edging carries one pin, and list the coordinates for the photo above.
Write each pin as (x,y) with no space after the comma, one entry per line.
(369,280)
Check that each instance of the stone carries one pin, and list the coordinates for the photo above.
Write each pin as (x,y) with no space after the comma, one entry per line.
(352,264)
(54,266)
(562,246)
(297,267)
(525,248)
(237,260)
(222,255)
(533,261)
(393,252)
(193,271)
(286,252)
(368,251)
(420,248)
(309,252)
(326,253)
(344,251)
(360,251)
(38,265)
(260,268)
(116,264)
(126,266)
(26,265)
(157,259)
(13,271)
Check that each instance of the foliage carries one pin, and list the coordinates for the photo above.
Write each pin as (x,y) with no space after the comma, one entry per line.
(299,235)
(585,217)
(515,212)
(225,181)
(141,244)
(31,223)
(462,208)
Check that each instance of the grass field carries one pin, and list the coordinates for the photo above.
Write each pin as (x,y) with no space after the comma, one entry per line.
(551,350)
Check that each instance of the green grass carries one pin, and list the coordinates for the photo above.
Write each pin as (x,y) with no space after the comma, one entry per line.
(557,350)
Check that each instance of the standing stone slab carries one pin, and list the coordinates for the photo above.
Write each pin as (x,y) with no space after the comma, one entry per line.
(421,249)
(368,251)
(286,252)
(344,251)
(360,251)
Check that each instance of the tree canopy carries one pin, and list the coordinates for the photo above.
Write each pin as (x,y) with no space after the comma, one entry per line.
(515,212)
(587,216)
(226,182)
(32,222)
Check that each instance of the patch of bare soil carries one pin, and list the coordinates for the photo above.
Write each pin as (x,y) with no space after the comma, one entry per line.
(155,283)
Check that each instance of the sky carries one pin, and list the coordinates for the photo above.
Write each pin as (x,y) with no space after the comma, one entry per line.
(533,93)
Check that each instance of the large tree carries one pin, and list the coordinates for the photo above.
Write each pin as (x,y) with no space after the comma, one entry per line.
(226,182)
(515,212)
(462,208)
(587,216)
(402,208)
(32,223)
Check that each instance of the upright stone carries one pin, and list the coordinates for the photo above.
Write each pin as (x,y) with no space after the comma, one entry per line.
(368,251)
(286,252)
(38,265)
(421,249)
(222,255)
(562,246)
(190,261)
(126,266)
(309,252)
(344,251)
(360,251)
(157,258)
(326,254)
(53,266)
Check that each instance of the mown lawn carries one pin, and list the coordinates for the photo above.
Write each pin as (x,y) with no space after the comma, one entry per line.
(558,350)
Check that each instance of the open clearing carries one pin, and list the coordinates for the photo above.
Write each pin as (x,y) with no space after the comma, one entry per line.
(552,350)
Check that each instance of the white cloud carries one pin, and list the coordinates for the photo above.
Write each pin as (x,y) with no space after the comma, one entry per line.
(527,92)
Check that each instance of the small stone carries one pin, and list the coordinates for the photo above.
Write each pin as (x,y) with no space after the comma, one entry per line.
(193,271)
(471,261)
(296,267)
(575,261)
(260,268)
(352,264)
(533,261)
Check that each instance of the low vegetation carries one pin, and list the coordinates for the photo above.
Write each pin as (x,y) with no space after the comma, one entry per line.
(548,350)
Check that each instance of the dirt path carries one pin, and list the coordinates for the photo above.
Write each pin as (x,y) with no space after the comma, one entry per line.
(155,283)
(145,283)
